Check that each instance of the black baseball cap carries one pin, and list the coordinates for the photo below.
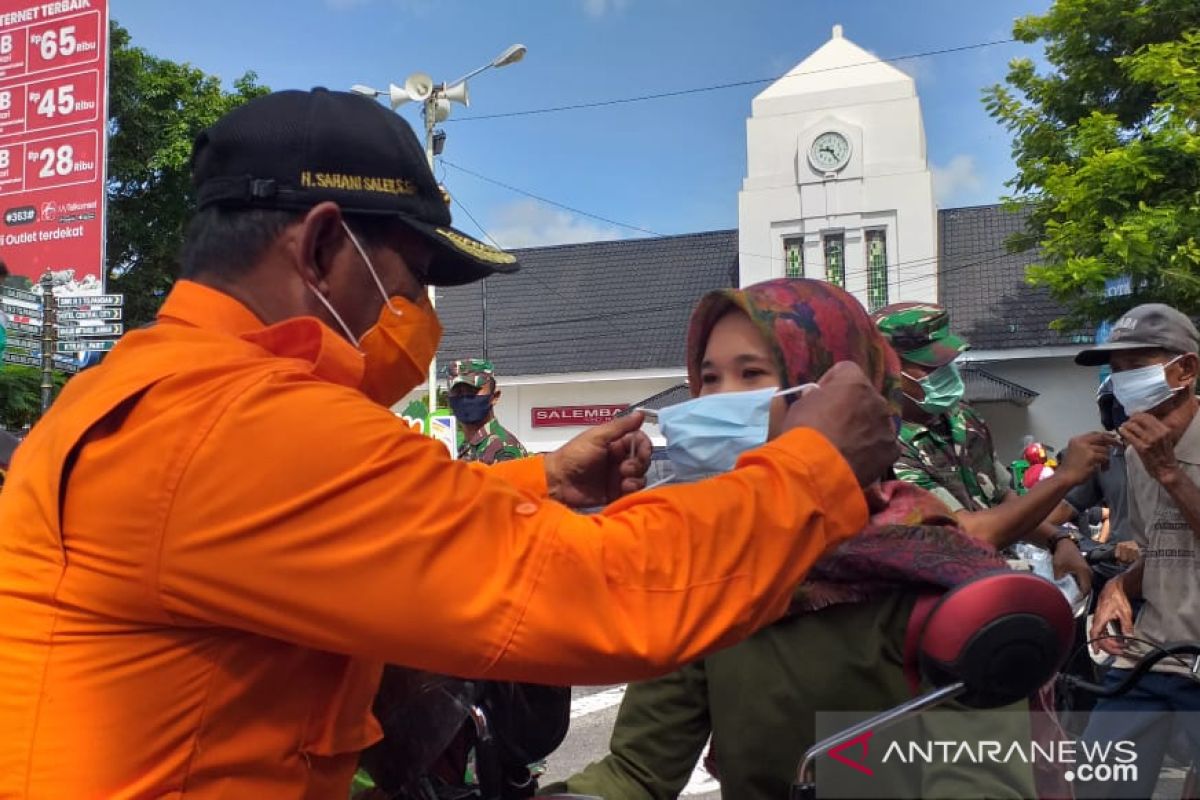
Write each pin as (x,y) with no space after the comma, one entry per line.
(291,150)
(1151,325)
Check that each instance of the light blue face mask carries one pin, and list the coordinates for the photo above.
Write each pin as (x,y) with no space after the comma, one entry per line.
(1144,388)
(706,435)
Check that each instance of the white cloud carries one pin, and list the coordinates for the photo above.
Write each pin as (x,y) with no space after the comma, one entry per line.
(528,223)
(959,177)
(919,69)
(599,8)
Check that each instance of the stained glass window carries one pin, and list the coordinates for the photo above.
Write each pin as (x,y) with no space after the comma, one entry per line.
(835,259)
(793,257)
(877,271)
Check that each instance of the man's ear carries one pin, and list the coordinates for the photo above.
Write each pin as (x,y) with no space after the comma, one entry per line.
(1187,368)
(495,396)
(317,242)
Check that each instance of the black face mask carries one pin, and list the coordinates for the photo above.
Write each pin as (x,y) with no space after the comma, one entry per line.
(471,410)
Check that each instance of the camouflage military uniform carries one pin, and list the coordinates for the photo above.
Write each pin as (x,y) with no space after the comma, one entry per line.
(953,456)
(955,459)
(492,442)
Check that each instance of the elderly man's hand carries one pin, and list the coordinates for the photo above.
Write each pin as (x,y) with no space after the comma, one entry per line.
(600,465)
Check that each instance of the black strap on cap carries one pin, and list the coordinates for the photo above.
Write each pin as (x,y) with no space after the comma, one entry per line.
(243,189)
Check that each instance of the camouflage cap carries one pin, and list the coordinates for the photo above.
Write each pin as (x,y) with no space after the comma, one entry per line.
(920,333)
(476,372)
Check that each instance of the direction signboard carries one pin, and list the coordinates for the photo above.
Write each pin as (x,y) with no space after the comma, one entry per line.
(61,363)
(53,108)
(23,327)
(24,343)
(20,294)
(77,331)
(91,301)
(24,359)
(85,345)
(90,313)
(13,308)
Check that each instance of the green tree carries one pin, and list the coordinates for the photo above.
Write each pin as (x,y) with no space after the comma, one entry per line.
(1107,148)
(21,395)
(156,109)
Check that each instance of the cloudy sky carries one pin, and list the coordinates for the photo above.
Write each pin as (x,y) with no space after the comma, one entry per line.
(668,165)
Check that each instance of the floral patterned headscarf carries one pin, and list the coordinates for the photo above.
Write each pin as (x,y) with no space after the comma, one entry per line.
(808,325)
(911,542)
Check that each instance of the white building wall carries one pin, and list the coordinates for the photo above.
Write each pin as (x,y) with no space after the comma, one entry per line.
(885,184)
(1066,405)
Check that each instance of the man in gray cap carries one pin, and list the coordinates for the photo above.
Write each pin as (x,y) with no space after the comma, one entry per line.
(1154,357)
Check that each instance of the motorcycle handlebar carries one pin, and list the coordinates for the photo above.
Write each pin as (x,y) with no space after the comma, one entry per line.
(1144,665)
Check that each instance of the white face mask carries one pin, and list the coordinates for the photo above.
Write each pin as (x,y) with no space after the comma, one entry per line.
(706,435)
(1143,389)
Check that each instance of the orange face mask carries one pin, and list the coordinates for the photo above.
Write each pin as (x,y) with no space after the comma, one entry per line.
(398,349)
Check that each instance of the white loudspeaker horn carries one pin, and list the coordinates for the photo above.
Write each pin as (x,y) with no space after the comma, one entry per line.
(457,93)
(417,87)
(397,96)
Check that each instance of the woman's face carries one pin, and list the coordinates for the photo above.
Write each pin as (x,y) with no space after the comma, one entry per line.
(737,359)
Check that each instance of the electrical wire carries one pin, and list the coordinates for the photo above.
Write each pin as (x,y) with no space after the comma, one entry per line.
(851,274)
(550,202)
(628,313)
(731,85)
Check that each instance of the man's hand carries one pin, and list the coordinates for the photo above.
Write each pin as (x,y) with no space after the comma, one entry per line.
(1127,552)
(1113,606)
(1067,560)
(1086,453)
(851,413)
(1154,443)
(601,464)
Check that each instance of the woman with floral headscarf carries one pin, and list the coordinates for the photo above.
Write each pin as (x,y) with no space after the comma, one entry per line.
(842,645)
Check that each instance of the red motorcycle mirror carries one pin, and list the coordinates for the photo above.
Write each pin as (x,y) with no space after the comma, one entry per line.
(986,643)
(1002,636)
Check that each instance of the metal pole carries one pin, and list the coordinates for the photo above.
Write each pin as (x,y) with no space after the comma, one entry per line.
(483,293)
(430,113)
(48,320)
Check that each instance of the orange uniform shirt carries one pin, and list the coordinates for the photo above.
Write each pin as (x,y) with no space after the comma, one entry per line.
(213,540)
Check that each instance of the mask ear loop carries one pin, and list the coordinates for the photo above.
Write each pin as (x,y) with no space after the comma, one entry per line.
(796,392)
(328,305)
(387,301)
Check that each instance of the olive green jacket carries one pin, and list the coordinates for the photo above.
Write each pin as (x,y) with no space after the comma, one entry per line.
(758,699)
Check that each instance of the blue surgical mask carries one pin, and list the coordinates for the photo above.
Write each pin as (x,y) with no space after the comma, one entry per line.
(471,410)
(943,389)
(706,435)
(1143,389)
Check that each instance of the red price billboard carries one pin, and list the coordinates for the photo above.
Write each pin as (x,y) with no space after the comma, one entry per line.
(53,111)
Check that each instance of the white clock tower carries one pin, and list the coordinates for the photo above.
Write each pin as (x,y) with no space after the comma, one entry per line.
(837,184)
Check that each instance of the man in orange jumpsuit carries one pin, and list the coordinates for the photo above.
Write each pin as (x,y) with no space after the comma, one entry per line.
(215,538)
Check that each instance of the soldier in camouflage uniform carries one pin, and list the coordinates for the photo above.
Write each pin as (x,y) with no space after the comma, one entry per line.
(947,449)
(950,454)
(473,398)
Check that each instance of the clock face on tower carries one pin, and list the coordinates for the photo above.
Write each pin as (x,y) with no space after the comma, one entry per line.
(829,152)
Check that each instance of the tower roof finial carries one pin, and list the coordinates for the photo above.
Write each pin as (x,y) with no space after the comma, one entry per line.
(837,31)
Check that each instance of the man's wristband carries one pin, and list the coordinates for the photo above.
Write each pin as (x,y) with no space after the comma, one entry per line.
(1053,540)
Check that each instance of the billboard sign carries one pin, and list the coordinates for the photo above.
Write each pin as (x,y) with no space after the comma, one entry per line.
(53,112)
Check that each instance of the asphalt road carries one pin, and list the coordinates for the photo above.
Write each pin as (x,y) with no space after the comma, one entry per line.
(593,712)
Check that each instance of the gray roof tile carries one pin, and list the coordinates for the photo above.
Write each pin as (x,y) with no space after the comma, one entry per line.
(625,304)
(589,307)
(983,286)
